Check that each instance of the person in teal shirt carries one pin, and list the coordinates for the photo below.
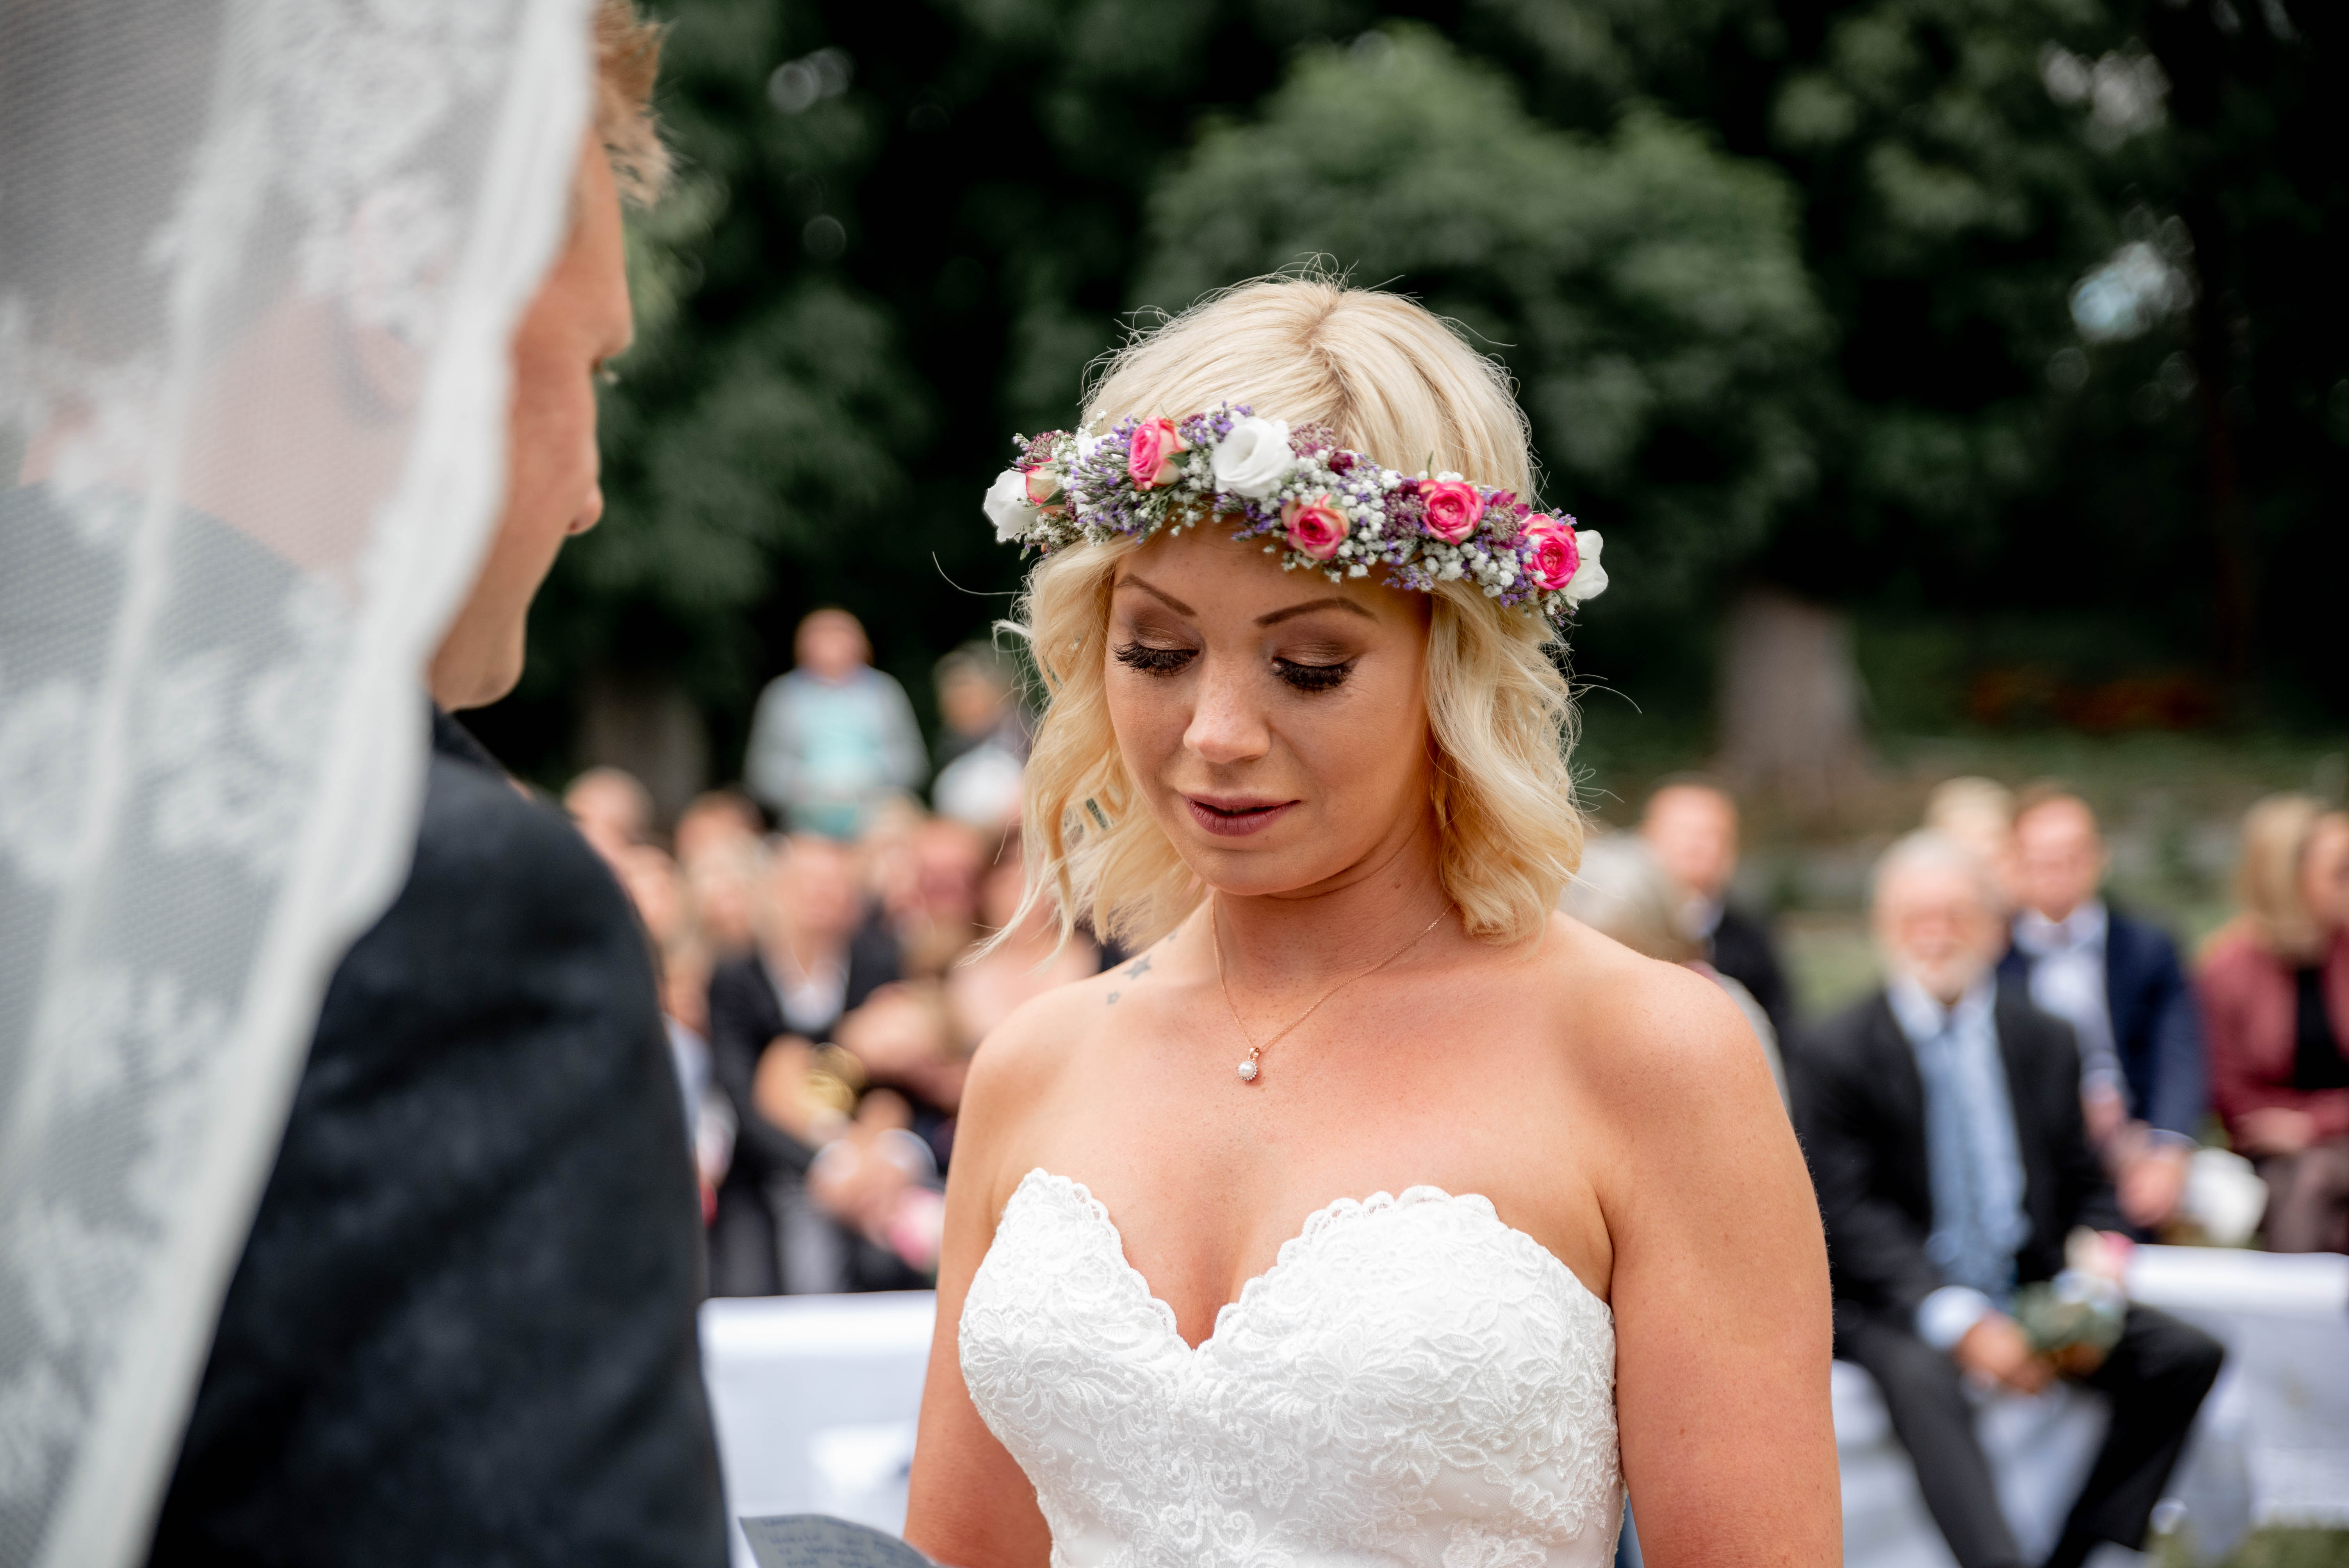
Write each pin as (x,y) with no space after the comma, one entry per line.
(834,736)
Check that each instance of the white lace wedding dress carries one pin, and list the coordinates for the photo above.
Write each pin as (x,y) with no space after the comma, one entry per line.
(1412,1382)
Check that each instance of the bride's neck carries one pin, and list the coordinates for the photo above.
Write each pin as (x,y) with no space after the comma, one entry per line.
(1340,924)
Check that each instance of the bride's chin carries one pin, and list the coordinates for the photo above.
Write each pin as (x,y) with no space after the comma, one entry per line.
(1252,869)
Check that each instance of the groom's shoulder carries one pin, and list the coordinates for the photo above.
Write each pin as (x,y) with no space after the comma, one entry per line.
(484,835)
(502,898)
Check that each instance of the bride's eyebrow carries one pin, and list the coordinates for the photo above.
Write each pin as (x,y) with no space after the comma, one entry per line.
(1330,603)
(1172,603)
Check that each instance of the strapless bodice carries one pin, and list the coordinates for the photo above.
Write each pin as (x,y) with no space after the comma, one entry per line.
(1413,1383)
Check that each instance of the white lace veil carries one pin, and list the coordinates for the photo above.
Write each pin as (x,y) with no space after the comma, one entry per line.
(259,264)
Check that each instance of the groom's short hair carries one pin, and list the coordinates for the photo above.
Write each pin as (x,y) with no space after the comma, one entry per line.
(627,59)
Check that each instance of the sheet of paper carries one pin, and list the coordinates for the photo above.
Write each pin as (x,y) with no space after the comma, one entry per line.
(819,1541)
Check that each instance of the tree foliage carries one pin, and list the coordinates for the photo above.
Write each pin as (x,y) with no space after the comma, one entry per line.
(1647,292)
(1789,287)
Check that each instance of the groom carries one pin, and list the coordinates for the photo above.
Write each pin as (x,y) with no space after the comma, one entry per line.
(462,1329)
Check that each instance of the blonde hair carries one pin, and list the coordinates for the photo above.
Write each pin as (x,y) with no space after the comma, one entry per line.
(627,61)
(1392,381)
(2276,835)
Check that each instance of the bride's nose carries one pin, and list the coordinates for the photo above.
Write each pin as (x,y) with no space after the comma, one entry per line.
(1227,723)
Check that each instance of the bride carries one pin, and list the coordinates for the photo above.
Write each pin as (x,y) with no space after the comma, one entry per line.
(1375,1213)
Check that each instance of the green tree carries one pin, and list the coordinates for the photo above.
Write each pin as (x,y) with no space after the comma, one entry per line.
(1965,165)
(905,231)
(1646,291)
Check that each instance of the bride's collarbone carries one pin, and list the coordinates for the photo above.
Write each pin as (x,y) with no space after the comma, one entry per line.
(1370,1057)
(1469,1089)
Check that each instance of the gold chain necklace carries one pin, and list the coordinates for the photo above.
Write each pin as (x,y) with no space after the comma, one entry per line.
(1248,1068)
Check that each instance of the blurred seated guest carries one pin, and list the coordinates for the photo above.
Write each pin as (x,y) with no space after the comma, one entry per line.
(885,850)
(613,809)
(981,788)
(726,883)
(878,1182)
(833,735)
(717,817)
(1941,1116)
(978,704)
(983,744)
(2276,1006)
(2117,982)
(1621,891)
(1691,827)
(868,1218)
(681,966)
(1025,956)
(935,903)
(658,889)
(1979,814)
(816,958)
(905,1039)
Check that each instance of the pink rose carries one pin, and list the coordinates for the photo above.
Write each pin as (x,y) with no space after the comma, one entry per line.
(1453,509)
(1549,553)
(1316,527)
(1150,456)
(1043,484)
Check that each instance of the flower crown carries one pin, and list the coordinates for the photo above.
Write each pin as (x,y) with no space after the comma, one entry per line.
(1337,512)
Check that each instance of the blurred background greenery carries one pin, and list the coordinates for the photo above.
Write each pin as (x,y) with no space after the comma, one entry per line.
(1997,350)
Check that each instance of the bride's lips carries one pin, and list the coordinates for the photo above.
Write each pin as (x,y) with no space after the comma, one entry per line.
(1233,816)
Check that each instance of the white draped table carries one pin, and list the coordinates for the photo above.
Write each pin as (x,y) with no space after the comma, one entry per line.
(815,1398)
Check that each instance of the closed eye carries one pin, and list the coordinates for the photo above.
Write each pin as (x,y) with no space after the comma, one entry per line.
(1313,677)
(1153,661)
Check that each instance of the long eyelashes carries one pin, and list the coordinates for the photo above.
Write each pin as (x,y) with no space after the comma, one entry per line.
(1155,661)
(1313,677)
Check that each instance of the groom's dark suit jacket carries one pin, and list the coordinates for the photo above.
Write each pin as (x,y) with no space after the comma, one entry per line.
(1859,1106)
(463,1330)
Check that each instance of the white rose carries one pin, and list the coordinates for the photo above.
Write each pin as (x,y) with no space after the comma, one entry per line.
(1007,506)
(1590,578)
(1254,459)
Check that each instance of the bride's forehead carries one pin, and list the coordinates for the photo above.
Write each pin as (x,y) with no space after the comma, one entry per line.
(1211,573)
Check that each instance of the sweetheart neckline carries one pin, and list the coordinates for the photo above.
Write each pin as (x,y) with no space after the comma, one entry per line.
(1317,1223)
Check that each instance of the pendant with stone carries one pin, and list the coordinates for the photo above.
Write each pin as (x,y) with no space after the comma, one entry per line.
(1247,1070)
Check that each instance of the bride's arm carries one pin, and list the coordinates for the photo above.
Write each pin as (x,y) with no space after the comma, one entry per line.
(970,1505)
(1722,1320)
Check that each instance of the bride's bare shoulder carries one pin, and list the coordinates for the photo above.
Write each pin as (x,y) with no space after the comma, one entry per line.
(1029,1048)
(1025,1060)
(1652,1038)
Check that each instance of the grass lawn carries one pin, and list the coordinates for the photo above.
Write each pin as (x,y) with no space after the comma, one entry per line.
(2267,1549)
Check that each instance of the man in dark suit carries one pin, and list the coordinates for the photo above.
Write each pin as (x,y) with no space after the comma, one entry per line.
(463,1327)
(1942,1117)
(1691,827)
(818,960)
(2118,983)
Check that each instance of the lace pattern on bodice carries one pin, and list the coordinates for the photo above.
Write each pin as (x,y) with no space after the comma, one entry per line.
(1412,1382)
